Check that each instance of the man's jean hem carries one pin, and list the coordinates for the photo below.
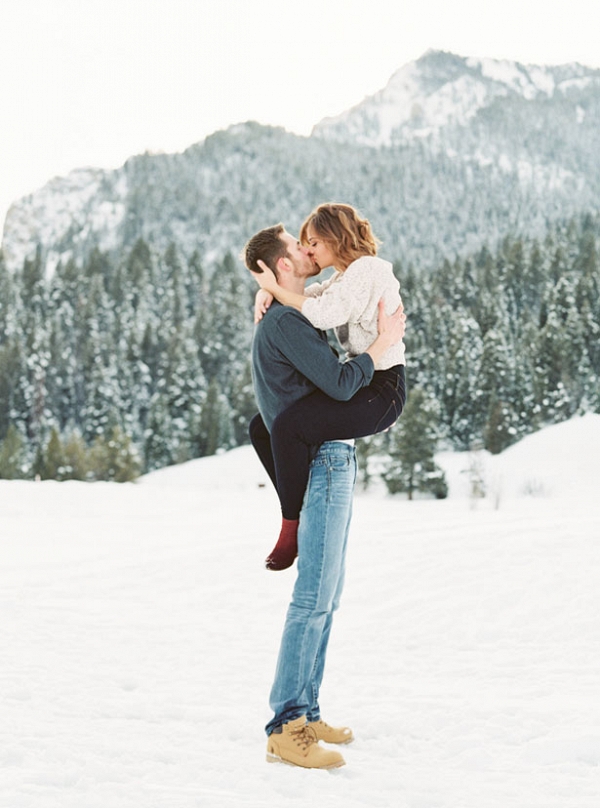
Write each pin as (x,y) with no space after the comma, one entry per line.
(322,543)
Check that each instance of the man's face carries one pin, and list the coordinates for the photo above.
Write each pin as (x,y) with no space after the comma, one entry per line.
(300,257)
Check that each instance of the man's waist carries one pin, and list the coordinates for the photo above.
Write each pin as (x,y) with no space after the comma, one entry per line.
(339,445)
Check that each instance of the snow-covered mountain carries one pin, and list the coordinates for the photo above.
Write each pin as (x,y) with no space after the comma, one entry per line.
(441,90)
(86,204)
(454,152)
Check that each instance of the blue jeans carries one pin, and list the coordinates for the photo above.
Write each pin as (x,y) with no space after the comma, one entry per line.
(322,541)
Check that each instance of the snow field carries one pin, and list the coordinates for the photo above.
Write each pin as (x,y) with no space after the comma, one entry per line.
(139,635)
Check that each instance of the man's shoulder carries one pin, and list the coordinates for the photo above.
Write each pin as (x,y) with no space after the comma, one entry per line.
(285,330)
(284,317)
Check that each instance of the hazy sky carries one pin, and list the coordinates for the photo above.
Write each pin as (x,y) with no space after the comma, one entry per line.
(92,82)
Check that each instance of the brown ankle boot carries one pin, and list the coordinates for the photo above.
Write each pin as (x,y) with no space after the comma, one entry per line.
(297,745)
(331,734)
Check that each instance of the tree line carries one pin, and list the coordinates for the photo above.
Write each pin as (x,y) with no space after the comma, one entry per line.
(120,364)
(140,356)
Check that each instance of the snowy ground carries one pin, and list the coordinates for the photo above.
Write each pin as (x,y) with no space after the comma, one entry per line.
(139,633)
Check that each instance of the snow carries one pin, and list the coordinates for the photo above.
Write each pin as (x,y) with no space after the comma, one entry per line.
(63,204)
(577,83)
(528,80)
(542,79)
(139,635)
(405,101)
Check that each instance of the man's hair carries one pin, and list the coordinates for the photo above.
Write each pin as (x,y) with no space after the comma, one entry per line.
(267,246)
(341,227)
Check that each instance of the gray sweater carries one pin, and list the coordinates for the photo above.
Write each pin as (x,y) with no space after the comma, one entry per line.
(291,359)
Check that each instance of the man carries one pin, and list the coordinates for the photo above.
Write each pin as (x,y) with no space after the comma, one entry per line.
(290,360)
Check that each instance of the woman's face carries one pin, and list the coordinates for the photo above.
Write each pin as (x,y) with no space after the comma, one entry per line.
(320,250)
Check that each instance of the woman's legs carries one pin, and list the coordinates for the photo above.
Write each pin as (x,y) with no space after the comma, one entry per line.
(286,547)
(261,441)
(299,429)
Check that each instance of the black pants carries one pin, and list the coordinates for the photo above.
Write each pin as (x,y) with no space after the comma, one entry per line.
(298,431)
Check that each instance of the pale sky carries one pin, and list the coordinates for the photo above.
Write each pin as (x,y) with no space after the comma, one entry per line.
(92,82)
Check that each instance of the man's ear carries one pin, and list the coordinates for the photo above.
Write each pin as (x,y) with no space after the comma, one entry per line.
(283,265)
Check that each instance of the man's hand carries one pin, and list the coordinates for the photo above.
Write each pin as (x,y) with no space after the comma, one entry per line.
(265,279)
(262,301)
(391,329)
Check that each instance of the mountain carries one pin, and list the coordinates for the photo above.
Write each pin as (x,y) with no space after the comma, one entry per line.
(451,154)
(441,90)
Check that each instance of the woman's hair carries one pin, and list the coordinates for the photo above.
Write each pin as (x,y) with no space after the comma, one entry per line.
(346,234)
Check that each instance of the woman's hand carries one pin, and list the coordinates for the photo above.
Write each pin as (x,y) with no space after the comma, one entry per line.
(265,279)
(262,301)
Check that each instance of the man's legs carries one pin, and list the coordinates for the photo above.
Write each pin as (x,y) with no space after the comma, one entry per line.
(312,695)
(322,544)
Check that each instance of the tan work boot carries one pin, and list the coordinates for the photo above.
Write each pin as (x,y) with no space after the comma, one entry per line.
(297,744)
(331,734)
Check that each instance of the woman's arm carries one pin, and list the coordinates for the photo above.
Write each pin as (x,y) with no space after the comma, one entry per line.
(262,301)
(267,280)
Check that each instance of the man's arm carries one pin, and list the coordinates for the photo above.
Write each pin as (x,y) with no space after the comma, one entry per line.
(391,331)
(309,352)
(306,349)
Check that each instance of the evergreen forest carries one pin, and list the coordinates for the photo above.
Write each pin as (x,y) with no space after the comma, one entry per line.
(119,364)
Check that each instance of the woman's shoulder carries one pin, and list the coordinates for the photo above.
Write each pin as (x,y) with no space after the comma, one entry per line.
(369,268)
(369,262)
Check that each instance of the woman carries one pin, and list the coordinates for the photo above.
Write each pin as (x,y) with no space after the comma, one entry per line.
(347,302)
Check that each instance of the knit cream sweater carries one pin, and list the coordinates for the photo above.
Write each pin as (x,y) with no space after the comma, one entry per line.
(347,302)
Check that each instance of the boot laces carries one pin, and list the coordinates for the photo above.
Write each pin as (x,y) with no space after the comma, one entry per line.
(304,736)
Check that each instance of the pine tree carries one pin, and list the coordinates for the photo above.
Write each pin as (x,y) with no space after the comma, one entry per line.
(183,388)
(174,301)
(214,430)
(103,398)
(13,381)
(411,467)
(75,453)
(51,463)
(12,455)
(243,403)
(158,448)
(32,288)
(113,458)
(227,344)
(496,392)
(138,274)
(7,302)
(195,286)
(499,431)
(457,386)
